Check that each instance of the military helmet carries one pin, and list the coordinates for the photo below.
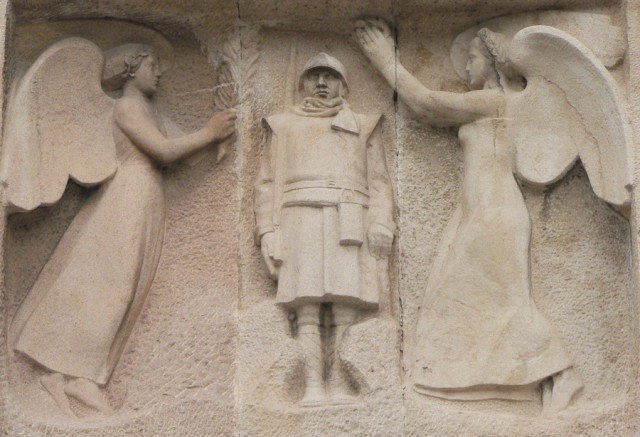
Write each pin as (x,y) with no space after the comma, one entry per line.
(322,60)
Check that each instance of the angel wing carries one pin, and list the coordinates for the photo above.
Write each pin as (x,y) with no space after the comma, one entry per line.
(570,108)
(58,126)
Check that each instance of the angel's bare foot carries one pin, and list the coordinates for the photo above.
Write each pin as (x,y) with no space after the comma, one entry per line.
(342,397)
(89,394)
(566,386)
(313,397)
(54,383)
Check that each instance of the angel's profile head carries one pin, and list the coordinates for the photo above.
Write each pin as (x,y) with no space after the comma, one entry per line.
(488,64)
(131,65)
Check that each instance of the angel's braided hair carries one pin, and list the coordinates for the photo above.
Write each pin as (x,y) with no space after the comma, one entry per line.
(133,62)
(496,45)
(122,62)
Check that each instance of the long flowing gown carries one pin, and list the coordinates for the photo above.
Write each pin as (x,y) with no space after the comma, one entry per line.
(479,334)
(81,310)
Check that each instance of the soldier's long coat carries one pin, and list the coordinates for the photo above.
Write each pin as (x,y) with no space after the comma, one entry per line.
(318,183)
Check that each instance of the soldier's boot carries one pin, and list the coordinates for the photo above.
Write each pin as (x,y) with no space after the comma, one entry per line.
(343,317)
(311,342)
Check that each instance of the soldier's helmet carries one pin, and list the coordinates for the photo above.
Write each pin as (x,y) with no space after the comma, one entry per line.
(322,60)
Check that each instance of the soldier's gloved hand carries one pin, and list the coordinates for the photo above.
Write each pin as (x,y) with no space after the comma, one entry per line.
(267,246)
(380,240)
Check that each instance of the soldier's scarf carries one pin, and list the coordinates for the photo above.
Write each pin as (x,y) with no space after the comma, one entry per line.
(338,107)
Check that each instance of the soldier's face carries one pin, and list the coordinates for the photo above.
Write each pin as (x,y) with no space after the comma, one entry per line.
(322,83)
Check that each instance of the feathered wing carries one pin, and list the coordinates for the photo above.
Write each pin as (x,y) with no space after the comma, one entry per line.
(58,126)
(570,108)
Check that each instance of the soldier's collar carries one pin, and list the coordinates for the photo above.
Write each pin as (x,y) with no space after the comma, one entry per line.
(344,118)
(346,121)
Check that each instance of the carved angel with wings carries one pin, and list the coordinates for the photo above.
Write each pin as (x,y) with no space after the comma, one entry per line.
(80,312)
(537,103)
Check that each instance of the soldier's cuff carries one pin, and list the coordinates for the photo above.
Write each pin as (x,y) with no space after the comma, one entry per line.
(259,231)
(382,229)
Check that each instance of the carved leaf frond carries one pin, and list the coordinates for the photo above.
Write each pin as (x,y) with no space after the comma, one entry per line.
(236,62)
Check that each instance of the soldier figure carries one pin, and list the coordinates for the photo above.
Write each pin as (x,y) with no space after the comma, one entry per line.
(323,205)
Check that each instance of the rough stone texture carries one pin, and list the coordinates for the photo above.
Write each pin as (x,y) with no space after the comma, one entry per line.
(213,355)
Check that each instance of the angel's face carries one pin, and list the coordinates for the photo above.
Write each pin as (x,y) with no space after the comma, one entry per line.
(478,67)
(147,75)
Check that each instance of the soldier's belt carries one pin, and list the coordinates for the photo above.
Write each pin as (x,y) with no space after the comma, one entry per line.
(350,199)
(324,193)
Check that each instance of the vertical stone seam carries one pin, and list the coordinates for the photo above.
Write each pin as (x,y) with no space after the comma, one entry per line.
(239,165)
(6,18)
(394,13)
(631,11)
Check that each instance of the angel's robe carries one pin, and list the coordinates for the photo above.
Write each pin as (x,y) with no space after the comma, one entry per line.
(82,308)
(479,334)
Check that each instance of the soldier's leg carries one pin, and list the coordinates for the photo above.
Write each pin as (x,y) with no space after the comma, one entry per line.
(343,317)
(310,339)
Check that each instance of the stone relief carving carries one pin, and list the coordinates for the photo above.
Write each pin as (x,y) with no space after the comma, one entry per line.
(323,206)
(211,354)
(236,62)
(81,310)
(537,103)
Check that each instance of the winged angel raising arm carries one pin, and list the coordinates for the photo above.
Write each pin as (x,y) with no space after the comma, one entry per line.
(537,103)
(80,311)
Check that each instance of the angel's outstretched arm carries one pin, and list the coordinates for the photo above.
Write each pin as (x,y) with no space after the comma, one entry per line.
(442,108)
(134,120)
(439,108)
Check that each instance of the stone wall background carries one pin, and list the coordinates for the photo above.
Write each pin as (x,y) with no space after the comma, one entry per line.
(212,354)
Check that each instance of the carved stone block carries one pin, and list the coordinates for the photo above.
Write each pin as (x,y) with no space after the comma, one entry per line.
(311,218)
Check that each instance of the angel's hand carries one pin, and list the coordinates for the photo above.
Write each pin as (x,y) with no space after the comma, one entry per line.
(375,39)
(222,125)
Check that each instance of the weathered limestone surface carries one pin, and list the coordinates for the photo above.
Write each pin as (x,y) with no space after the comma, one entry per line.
(211,352)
